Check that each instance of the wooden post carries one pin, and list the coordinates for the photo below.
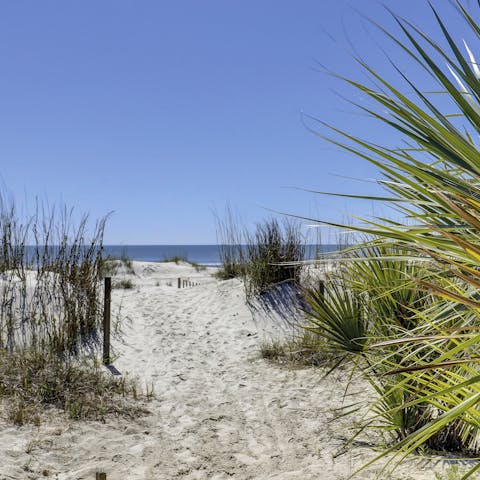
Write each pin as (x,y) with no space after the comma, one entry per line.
(179,282)
(100,476)
(321,287)
(106,320)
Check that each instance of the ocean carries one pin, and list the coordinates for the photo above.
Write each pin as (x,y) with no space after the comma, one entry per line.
(207,255)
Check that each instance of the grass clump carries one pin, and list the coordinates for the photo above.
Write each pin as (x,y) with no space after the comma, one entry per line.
(230,250)
(179,259)
(175,259)
(272,256)
(303,350)
(111,265)
(125,284)
(51,310)
(82,389)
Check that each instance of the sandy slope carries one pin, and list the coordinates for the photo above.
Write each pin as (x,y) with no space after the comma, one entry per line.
(220,411)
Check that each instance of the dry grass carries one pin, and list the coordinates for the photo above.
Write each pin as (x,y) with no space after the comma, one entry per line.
(51,309)
(179,259)
(301,351)
(83,389)
(125,284)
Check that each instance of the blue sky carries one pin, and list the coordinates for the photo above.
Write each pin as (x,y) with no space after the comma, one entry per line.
(164,111)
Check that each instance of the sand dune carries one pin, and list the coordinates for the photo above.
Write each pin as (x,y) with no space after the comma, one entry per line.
(220,411)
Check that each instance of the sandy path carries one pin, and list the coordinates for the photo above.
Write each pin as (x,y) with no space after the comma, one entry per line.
(220,411)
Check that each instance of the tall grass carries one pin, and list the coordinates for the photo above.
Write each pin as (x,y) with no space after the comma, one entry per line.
(50,296)
(230,240)
(51,309)
(272,255)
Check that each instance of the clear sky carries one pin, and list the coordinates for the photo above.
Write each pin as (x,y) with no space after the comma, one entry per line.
(163,111)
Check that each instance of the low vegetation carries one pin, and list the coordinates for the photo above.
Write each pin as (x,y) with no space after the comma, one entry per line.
(404,310)
(51,310)
(125,284)
(111,266)
(34,382)
(271,255)
(302,350)
(179,259)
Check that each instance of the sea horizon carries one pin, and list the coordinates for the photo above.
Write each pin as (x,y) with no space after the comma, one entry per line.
(203,254)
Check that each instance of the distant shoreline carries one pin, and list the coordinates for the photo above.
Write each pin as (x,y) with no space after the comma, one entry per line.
(207,255)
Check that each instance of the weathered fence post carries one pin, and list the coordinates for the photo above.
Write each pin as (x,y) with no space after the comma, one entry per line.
(106,320)
(179,282)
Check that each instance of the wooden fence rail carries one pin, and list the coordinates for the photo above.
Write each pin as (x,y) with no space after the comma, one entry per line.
(182,283)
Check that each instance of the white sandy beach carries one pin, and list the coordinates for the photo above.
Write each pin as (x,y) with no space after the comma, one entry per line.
(219,412)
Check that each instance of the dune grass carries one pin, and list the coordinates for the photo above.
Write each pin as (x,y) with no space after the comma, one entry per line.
(124,284)
(110,266)
(180,259)
(272,256)
(264,258)
(33,382)
(51,310)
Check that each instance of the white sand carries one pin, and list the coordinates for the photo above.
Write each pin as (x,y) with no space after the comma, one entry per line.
(220,410)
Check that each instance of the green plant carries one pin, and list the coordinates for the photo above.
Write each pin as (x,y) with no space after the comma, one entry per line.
(177,259)
(32,380)
(451,473)
(370,299)
(272,255)
(230,249)
(125,283)
(304,350)
(432,360)
(111,265)
(337,318)
(50,294)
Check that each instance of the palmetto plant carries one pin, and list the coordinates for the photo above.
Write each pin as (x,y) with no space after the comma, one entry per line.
(432,358)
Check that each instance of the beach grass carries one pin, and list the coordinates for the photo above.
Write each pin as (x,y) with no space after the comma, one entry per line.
(181,259)
(32,382)
(51,311)
(268,256)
